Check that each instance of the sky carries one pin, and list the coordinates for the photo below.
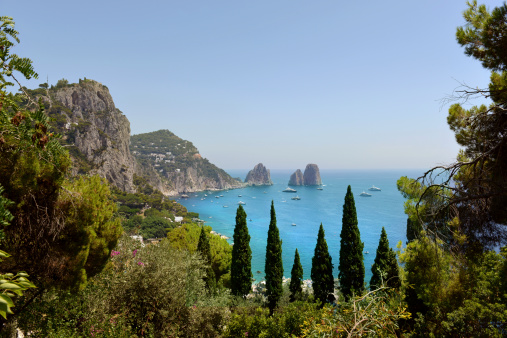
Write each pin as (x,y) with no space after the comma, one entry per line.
(343,84)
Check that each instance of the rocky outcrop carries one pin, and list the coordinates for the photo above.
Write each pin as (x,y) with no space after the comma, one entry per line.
(97,129)
(297,178)
(191,180)
(97,135)
(178,164)
(312,175)
(259,175)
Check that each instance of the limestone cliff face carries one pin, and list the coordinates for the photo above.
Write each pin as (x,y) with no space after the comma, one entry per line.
(312,175)
(98,130)
(97,135)
(259,175)
(191,180)
(296,178)
(178,164)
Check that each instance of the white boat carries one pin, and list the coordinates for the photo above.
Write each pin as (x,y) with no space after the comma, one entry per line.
(239,196)
(241,203)
(293,224)
(217,196)
(374,188)
(365,194)
(320,188)
(289,190)
(225,206)
(296,198)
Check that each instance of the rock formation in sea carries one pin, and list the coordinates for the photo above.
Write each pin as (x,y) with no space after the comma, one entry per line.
(259,175)
(312,175)
(297,178)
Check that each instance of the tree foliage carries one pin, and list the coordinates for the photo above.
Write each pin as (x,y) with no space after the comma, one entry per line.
(274,264)
(241,264)
(186,237)
(204,249)
(385,267)
(322,271)
(296,279)
(61,230)
(351,265)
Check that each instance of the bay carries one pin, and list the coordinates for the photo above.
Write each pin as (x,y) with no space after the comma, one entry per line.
(383,209)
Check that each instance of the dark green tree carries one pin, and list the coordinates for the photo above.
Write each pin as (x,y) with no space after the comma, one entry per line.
(351,250)
(241,264)
(63,229)
(322,271)
(204,249)
(274,264)
(296,279)
(385,268)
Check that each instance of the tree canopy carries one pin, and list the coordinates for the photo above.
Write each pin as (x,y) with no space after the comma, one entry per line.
(351,265)
(322,270)
(274,264)
(241,264)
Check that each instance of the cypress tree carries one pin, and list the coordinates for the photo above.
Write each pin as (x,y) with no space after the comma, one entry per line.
(296,279)
(274,265)
(351,266)
(385,267)
(204,249)
(322,271)
(241,264)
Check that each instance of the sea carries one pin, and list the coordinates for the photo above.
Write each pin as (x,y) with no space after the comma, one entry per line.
(298,221)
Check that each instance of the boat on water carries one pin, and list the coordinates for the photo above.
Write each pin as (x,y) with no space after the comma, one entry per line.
(217,196)
(374,188)
(293,224)
(289,190)
(184,196)
(240,196)
(225,206)
(296,198)
(365,194)
(241,203)
(320,188)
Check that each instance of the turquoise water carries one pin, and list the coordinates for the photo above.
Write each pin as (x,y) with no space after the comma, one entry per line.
(383,209)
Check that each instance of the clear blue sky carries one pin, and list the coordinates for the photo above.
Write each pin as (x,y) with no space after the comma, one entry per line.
(344,84)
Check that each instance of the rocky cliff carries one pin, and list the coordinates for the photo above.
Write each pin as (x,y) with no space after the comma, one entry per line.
(95,132)
(259,175)
(178,163)
(297,178)
(312,175)
(97,135)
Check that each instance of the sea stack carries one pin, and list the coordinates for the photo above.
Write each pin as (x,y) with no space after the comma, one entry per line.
(297,178)
(259,175)
(312,175)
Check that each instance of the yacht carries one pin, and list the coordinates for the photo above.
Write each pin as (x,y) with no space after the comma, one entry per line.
(293,224)
(241,203)
(289,190)
(320,188)
(225,206)
(297,198)
(365,194)
(374,188)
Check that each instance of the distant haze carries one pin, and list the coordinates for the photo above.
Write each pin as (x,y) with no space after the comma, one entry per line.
(343,84)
